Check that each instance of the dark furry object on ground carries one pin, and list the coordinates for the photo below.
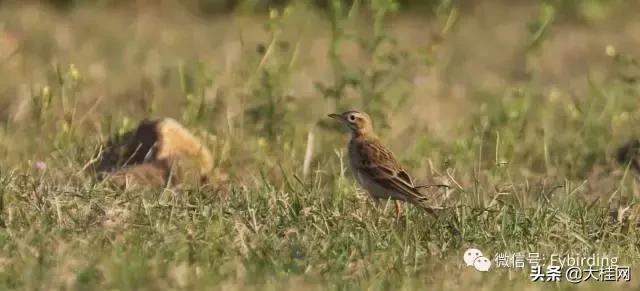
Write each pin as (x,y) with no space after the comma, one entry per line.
(149,153)
(629,152)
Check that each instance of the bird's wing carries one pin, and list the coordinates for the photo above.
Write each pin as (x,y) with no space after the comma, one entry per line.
(379,163)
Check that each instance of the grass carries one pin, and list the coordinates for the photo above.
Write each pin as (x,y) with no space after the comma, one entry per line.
(519,119)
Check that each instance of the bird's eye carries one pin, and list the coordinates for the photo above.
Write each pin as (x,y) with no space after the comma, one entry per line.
(352,117)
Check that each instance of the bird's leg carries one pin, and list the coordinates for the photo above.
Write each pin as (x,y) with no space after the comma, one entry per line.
(397,210)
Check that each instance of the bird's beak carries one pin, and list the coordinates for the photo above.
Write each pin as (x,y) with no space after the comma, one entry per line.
(335,116)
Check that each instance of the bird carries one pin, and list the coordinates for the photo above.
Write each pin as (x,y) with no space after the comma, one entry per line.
(375,167)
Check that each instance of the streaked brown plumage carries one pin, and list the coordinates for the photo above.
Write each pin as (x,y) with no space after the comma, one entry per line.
(374,166)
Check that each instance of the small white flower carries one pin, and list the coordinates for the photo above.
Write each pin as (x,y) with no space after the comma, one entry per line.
(40,165)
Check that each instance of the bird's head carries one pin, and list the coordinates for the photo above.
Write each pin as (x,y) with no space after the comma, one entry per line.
(359,122)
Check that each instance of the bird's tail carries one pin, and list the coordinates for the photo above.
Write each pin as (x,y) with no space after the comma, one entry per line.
(422,200)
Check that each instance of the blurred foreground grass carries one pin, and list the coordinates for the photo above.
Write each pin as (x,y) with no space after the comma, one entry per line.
(518,107)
